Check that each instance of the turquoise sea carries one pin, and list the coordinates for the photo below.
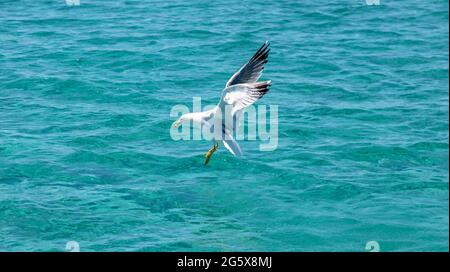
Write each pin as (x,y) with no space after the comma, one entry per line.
(86,155)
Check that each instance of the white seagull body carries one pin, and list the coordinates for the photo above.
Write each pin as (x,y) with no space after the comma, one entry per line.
(241,90)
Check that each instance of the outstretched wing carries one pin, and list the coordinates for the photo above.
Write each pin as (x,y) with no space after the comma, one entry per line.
(252,70)
(242,95)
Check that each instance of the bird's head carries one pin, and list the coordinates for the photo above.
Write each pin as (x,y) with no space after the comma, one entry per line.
(183,118)
(177,123)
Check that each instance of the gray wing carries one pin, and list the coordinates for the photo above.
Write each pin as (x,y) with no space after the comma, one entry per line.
(252,70)
(242,95)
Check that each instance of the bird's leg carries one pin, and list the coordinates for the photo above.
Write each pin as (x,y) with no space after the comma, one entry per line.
(210,152)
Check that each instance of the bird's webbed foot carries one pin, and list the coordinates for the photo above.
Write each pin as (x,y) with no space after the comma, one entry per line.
(210,152)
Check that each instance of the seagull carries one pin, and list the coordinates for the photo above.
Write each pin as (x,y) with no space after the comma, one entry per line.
(241,91)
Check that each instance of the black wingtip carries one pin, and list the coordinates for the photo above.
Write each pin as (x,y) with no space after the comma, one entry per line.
(262,53)
(263,86)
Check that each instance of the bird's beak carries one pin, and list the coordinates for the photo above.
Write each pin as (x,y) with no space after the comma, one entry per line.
(176,124)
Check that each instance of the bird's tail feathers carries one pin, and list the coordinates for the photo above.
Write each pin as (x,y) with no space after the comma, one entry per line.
(233,147)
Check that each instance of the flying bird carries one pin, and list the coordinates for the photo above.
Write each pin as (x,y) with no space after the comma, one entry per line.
(241,91)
